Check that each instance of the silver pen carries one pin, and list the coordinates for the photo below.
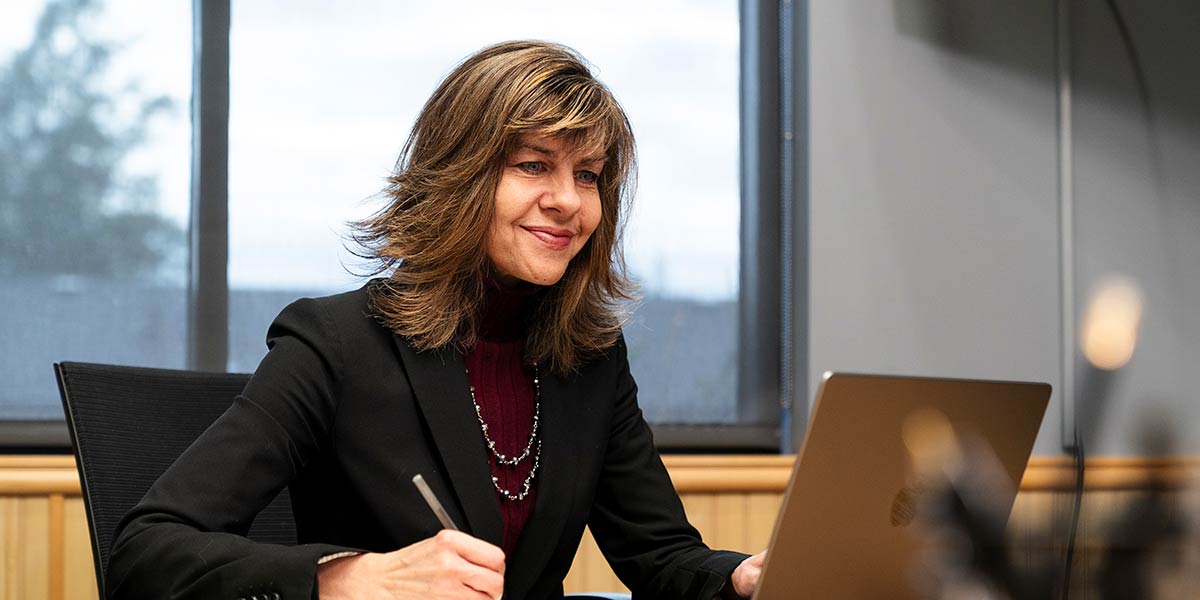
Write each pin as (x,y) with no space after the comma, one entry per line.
(433,502)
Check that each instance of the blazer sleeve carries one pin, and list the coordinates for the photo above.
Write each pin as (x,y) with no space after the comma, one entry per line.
(637,518)
(185,539)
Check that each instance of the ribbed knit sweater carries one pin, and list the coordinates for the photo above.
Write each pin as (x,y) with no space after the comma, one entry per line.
(505,393)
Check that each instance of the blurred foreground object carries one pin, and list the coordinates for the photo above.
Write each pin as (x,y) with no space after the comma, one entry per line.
(968,552)
(1150,548)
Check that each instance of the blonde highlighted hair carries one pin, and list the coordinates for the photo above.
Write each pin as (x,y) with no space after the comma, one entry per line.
(429,239)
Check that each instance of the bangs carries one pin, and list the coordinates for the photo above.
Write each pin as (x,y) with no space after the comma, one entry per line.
(580,111)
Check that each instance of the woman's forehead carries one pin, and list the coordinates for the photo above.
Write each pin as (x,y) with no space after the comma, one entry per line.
(581,146)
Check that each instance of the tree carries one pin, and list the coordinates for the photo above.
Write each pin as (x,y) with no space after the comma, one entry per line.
(66,206)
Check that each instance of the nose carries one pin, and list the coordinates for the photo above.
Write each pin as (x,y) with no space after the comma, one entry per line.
(562,195)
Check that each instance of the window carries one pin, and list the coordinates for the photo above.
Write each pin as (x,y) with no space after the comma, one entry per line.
(321,102)
(94,147)
(321,98)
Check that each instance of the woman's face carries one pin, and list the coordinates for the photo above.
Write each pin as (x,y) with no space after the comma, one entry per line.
(547,206)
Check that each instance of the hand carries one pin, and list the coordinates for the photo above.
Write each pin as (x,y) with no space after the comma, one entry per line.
(448,565)
(745,576)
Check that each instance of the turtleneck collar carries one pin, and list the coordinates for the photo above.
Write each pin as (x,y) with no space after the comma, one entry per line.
(506,309)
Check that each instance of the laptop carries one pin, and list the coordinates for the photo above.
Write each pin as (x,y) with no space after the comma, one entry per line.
(837,534)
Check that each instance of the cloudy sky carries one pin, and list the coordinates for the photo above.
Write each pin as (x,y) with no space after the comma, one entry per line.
(323,95)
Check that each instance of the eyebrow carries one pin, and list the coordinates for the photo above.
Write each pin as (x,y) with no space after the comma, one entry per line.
(548,152)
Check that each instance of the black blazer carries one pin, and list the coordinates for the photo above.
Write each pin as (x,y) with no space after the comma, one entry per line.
(344,413)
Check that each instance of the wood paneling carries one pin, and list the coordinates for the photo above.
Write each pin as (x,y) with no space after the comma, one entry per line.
(38,476)
(78,575)
(1112,473)
(25,547)
(55,540)
(45,551)
(590,572)
(730,520)
(714,474)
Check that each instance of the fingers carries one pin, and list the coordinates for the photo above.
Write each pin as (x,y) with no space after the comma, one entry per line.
(484,581)
(482,564)
(465,566)
(745,576)
(450,565)
(473,550)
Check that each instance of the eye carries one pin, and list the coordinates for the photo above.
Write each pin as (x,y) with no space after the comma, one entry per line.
(532,167)
(587,177)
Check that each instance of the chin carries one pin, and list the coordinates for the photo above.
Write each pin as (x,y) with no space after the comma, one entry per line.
(547,281)
(546,277)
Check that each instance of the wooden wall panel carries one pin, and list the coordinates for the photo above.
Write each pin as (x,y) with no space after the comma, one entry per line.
(590,572)
(702,512)
(727,520)
(25,547)
(762,508)
(45,551)
(79,574)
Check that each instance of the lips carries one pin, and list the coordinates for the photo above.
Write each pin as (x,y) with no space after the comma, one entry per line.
(553,237)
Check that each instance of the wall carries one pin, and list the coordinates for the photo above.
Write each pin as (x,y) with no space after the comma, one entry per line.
(1137,201)
(934,195)
(45,552)
(933,230)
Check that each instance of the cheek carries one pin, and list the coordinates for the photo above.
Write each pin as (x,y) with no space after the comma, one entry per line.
(506,204)
(497,240)
(490,241)
(498,234)
(590,214)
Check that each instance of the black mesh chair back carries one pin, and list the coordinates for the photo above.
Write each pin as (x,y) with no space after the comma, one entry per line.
(128,424)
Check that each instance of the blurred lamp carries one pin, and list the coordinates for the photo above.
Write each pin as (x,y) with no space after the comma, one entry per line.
(1111,323)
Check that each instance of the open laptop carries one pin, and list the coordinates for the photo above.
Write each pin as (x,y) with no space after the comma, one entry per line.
(836,535)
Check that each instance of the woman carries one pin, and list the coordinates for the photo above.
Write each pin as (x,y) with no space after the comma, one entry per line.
(489,360)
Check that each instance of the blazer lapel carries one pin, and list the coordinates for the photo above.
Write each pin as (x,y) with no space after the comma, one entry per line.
(555,482)
(439,382)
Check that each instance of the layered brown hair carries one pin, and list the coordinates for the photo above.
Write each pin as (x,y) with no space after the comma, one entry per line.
(429,239)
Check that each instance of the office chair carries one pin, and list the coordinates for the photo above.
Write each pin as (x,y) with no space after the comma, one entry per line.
(128,424)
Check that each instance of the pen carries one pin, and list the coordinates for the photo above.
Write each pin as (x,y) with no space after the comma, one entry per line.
(433,503)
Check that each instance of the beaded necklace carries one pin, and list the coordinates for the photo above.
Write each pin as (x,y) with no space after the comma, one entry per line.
(533,446)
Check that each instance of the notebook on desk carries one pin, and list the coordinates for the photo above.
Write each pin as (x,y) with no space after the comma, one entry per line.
(837,534)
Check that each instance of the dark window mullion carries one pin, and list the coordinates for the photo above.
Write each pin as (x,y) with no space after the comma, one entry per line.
(759,298)
(794,34)
(208,283)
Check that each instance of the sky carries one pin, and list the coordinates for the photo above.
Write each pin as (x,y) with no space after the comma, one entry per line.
(323,95)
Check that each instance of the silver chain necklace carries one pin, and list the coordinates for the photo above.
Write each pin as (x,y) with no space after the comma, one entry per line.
(530,448)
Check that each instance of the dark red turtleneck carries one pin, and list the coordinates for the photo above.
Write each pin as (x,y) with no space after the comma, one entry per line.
(505,392)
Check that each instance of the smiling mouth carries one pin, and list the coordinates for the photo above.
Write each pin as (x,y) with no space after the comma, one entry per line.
(552,238)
